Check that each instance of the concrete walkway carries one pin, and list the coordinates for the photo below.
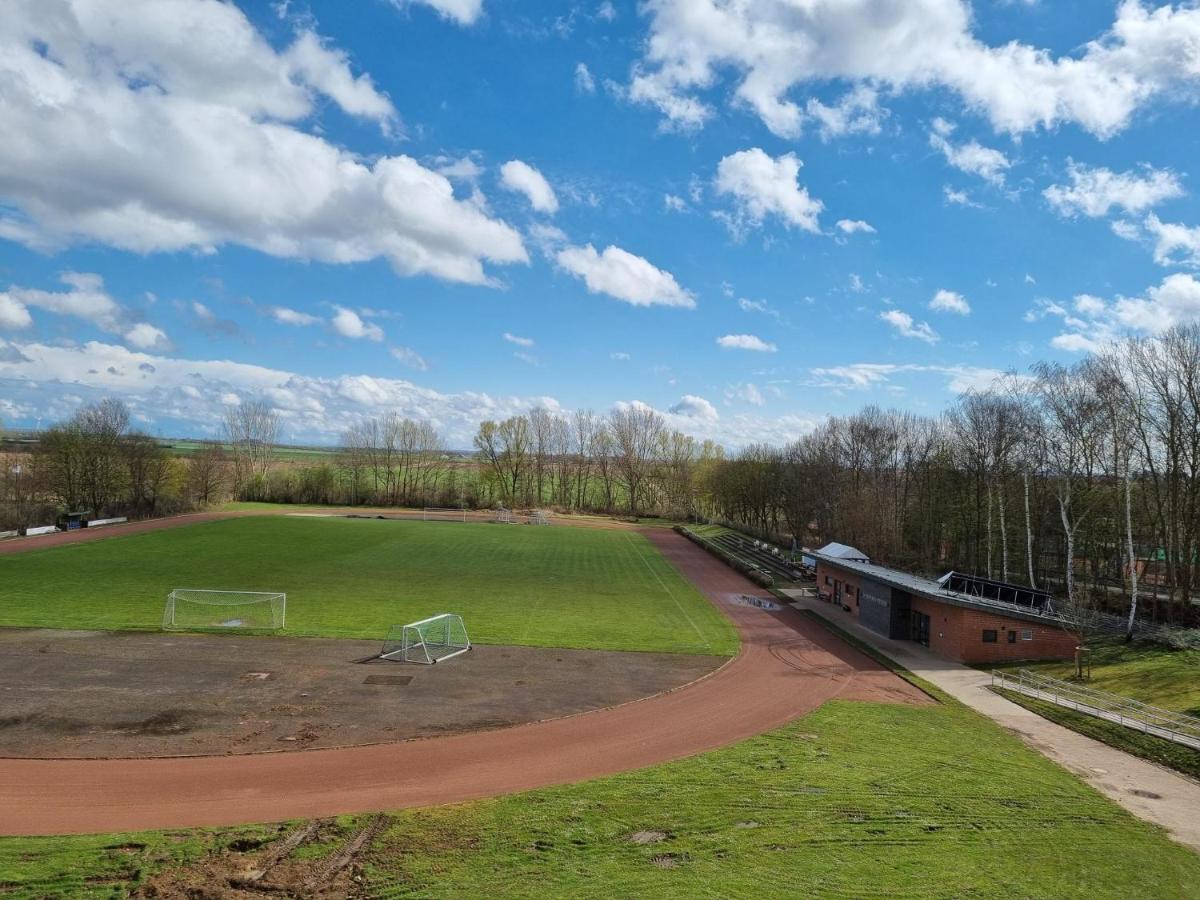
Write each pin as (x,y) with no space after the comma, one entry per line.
(1150,792)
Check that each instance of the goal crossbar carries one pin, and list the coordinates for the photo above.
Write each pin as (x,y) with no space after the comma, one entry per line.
(428,640)
(193,609)
(443,514)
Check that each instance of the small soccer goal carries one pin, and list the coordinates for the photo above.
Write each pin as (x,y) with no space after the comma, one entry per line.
(443,514)
(428,641)
(504,516)
(194,609)
(539,517)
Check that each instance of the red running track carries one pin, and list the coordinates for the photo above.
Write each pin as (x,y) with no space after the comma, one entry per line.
(787,666)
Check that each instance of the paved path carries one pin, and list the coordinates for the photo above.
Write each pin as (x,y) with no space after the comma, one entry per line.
(787,666)
(1150,792)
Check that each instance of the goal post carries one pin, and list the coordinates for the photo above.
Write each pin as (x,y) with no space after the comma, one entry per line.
(443,514)
(539,517)
(196,609)
(504,516)
(427,641)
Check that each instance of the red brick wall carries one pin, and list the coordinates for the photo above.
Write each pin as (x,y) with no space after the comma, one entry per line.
(849,585)
(956,632)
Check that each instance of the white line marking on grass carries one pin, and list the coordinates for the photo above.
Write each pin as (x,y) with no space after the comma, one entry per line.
(674,599)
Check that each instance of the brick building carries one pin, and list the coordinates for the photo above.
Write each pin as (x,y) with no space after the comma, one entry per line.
(969,620)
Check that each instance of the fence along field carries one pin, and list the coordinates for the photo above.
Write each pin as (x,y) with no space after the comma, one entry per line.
(543,587)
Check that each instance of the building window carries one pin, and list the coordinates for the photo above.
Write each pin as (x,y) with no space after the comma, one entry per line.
(989,635)
(1027,634)
(1012,637)
(827,581)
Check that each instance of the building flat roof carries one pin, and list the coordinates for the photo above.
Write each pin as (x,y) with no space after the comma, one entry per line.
(927,587)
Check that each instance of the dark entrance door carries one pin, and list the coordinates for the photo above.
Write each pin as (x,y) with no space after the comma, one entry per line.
(920,628)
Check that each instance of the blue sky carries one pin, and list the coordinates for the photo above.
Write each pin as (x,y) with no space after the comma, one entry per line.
(746,217)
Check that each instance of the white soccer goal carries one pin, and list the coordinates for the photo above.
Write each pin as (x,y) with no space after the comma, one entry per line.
(504,516)
(443,514)
(192,609)
(539,517)
(427,641)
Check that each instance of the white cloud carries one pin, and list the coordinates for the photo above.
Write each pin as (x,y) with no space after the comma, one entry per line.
(773,47)
(972,157)
(180,153)
(13,314)
(959,198)
(464,12)
(584,82)
(1093,322)
(761,186)
(624,276)
(1029,279)
(906,327)
(674,203)
(858,112)
(347,323)
(950,301)
(292,316)
(409,357)
(856,283)
(145,336)
(86,300)
(1174,244)
(852,226)
(619,356)
(694,407)
(519,341)
(865,376)
(523,178)
(1094,191)
(745,342)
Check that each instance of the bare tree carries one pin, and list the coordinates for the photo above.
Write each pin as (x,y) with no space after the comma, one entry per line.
(252,430)
(637,437)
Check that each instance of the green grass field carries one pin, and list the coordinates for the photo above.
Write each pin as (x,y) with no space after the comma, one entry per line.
(853,800)
(545,587)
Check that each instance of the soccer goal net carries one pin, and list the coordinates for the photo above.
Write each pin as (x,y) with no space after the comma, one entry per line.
(443,514)
(504,515)
(191,609)
(539,517)
(427,641)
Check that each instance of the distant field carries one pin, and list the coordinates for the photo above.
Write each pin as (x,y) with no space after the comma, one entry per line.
(544,587)
(855,800)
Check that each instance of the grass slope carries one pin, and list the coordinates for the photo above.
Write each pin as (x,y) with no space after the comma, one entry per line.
(545,587)
(1144,671)
(853,800)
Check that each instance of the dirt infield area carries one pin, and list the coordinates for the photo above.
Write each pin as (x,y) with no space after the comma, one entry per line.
(72,694)
(787,666)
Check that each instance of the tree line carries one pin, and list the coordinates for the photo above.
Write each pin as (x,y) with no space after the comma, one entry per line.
(1081,479)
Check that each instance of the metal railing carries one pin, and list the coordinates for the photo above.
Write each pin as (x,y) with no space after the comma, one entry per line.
(1164,723)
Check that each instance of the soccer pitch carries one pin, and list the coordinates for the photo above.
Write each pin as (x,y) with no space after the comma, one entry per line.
(543,587)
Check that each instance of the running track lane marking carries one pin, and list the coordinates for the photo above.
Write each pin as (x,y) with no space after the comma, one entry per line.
(674,600)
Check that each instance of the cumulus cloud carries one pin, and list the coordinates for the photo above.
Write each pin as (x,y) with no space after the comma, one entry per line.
(292,317)
(857,112)
(745,342)
(694,407)
(950,301)
(762,186)
(907,327)
(853,226)
(1174,244)
(1092,321)
(747,392)
(523,178)
(772,48)
(518,340)
(87,300)
(1094,192)
(865,376)
(122,131)
(624,276)
(349,324)
(972,157)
